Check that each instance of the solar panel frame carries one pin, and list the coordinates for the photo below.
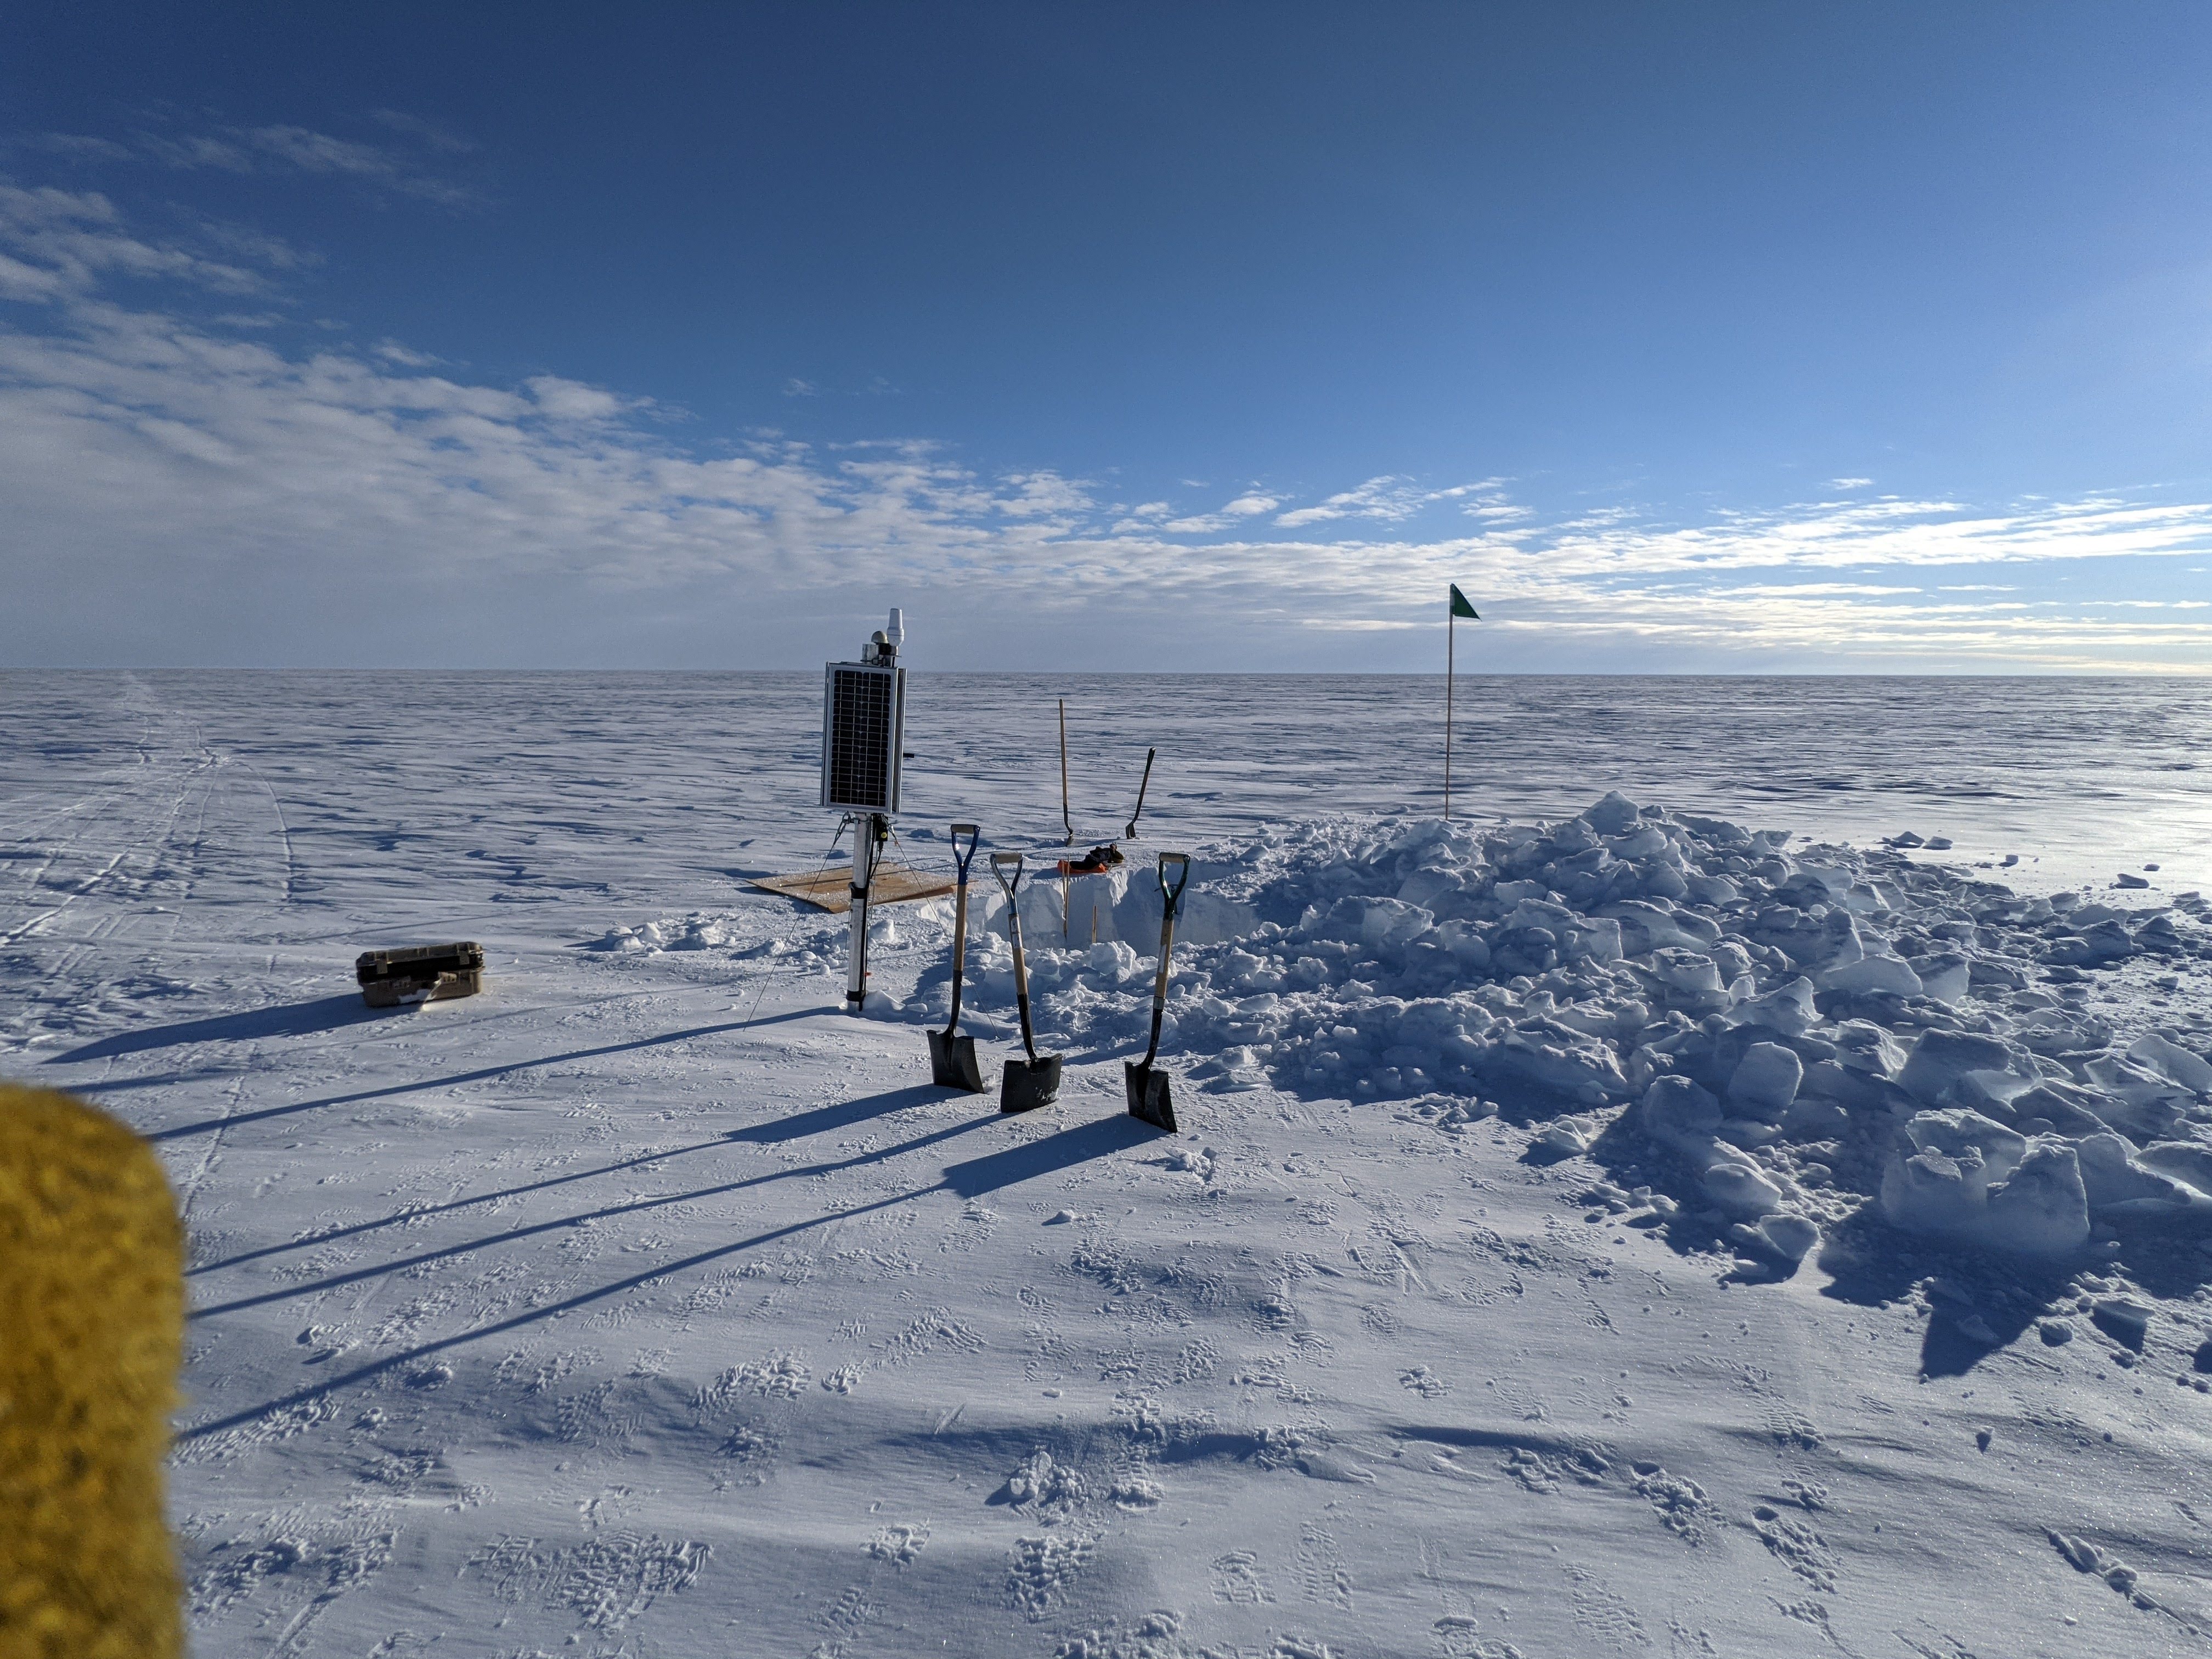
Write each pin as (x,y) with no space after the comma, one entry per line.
(863,736)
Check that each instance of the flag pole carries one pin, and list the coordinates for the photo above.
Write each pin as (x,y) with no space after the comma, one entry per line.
(1451,646)
(1459,607)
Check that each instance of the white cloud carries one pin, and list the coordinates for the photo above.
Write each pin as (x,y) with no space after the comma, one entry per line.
(1812,590)
(64,243)
(152,463)
(572,400)
(1036,494)
(283,147)
(1850,483)
(1392,500)
(81,146)
(438,137)
(1886,532)
(1249,505)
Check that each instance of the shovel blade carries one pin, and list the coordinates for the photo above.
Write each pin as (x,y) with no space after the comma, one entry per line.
(1030,1083)
(1148,1095)
(952,1063)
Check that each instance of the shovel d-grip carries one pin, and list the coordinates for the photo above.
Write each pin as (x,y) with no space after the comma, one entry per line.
(1147,1086)
(952,1056)
(1034,1082)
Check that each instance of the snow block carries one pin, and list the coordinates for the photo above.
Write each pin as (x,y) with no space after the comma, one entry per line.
(1766,1081)
(1958,1174)
(2186,1161)
(1614,815)
(1788,1009)
(1945,976)
(1740,1191)
(1875,975)
(1941,1057)
(2119,1184)
(1792,1236)
(2183,1065)
(2042,1210)
(1646,926)
(1677,1113)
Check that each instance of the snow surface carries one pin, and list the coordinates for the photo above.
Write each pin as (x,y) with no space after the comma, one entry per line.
(1609,1230)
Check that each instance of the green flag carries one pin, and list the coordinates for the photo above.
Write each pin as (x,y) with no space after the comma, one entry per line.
(1460,607)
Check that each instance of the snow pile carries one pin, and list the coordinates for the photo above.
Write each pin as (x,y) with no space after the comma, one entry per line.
(1798,1033)
(699,931)
(823,953)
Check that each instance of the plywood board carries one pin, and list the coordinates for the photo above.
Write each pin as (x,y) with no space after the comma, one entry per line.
(831,888)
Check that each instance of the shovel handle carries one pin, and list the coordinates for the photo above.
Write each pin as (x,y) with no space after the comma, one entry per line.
(1171,899)
(1000,864)
(961,855)
(1172,893)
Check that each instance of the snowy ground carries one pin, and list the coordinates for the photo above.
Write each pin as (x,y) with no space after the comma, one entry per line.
(643,1305)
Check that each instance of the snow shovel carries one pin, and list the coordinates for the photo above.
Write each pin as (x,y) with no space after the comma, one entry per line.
(1033,1082)
(952,1056)
(1148,1089)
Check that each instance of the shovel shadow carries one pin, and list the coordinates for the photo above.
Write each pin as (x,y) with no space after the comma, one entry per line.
(291,1019)
(1061,1150)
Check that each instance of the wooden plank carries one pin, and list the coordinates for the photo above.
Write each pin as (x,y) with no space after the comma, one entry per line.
(830,889)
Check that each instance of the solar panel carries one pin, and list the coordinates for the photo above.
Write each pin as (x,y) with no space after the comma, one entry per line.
(863,726)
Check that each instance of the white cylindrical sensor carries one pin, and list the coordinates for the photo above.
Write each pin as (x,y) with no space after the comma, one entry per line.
(898,630)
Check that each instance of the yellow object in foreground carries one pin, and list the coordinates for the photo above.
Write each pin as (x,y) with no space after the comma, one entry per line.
(92,1307)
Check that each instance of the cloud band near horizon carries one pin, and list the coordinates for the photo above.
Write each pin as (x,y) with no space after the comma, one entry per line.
(165,463)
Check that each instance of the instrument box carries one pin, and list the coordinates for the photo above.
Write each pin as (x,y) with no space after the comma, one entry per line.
(421,973)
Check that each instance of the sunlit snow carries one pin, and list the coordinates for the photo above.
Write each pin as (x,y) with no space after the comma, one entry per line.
(1643,1213)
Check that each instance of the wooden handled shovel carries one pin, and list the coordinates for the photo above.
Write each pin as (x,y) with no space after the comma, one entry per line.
(1034,1082)
(952,1056)
(1148,1087)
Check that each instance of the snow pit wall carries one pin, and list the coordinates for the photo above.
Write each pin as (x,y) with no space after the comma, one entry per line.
(1804,1034)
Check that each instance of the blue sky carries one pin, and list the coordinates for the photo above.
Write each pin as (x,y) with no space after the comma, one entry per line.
(1685,337)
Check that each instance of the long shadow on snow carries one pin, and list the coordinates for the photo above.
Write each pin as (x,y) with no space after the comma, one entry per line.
(841,1116)
(1055,1152)
(788,1128)
(1061,1150)
(208,1126)
(1870,1263)
(423,1351)
(514,1235)
(291,1019)
(2009,1297)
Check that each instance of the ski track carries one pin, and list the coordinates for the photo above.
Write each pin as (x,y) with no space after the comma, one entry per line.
(644,1305)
